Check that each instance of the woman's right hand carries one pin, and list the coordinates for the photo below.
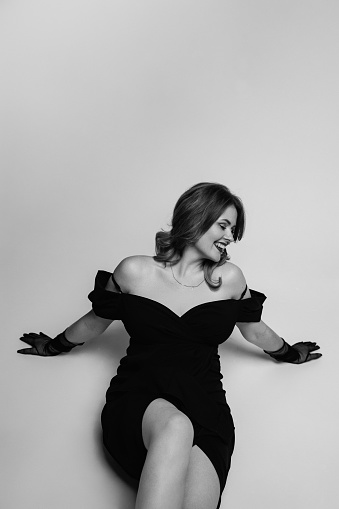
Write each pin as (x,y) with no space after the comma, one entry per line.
(38,344)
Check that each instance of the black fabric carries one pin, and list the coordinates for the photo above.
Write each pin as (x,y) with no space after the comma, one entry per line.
(174,357)
(121,420)
(285,354)
(243,293)
(61,344)
(104,303)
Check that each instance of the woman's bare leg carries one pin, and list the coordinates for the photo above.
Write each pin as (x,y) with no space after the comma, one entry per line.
(168,437)
(202,488)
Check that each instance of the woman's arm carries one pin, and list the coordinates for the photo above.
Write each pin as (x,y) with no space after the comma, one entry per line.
(260,334)
(87,327)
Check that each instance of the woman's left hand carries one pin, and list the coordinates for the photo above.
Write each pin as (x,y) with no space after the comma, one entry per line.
(305,348)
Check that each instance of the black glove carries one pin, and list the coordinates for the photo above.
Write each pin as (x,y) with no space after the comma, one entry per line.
(297,353)
(45,346)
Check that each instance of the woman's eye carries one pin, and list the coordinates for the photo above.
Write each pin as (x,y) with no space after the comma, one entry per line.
(224,227)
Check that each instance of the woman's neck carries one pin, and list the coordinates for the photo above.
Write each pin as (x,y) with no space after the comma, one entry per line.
(190,266)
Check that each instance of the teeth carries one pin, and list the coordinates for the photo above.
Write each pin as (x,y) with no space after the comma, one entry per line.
(221,247)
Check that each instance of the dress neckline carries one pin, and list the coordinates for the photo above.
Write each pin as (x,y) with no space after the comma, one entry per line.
(186,312)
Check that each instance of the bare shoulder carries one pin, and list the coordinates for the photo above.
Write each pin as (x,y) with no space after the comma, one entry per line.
(131,270)
(233,277)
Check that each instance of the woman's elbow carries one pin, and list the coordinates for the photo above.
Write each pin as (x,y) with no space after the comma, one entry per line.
(96,323)
(251,331)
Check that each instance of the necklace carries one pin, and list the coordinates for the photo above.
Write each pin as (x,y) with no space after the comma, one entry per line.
(187,286)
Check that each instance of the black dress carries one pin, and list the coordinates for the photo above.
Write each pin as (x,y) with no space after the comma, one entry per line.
(176,358)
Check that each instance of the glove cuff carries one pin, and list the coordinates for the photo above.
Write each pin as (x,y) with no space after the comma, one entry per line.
(61,344)
(285,354)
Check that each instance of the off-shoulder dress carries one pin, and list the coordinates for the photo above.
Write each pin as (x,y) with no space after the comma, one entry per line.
(173,357)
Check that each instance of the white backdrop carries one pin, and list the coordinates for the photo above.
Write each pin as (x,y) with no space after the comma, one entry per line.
(109,111)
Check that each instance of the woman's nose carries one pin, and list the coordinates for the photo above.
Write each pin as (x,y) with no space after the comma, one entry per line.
(229,235)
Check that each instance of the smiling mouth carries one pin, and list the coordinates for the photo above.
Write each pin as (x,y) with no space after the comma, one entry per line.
(220,247)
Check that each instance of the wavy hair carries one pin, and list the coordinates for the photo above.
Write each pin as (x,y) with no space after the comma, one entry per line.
(195,212)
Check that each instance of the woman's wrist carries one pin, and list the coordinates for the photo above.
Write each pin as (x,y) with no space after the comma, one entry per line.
(284,354)
(61,344)
(280,344)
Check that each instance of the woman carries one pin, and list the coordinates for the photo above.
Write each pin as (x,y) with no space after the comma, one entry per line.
(166,420)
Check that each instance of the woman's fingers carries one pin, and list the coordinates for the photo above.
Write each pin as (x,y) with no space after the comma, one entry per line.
(27,339)
(32,337)
(307,343)
(313,356)
(31,351)
(312,348)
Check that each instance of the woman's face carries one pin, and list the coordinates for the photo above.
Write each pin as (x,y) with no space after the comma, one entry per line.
(214,242)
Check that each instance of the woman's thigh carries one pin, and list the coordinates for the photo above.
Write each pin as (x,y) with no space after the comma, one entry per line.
(202,488)
(208,469)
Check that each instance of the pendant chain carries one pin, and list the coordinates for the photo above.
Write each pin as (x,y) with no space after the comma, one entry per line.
(187,286)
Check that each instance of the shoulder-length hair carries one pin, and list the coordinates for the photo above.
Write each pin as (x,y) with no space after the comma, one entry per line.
(194,213)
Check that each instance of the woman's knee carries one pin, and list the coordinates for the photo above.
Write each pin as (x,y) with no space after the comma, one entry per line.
(179,427)
(163,421)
